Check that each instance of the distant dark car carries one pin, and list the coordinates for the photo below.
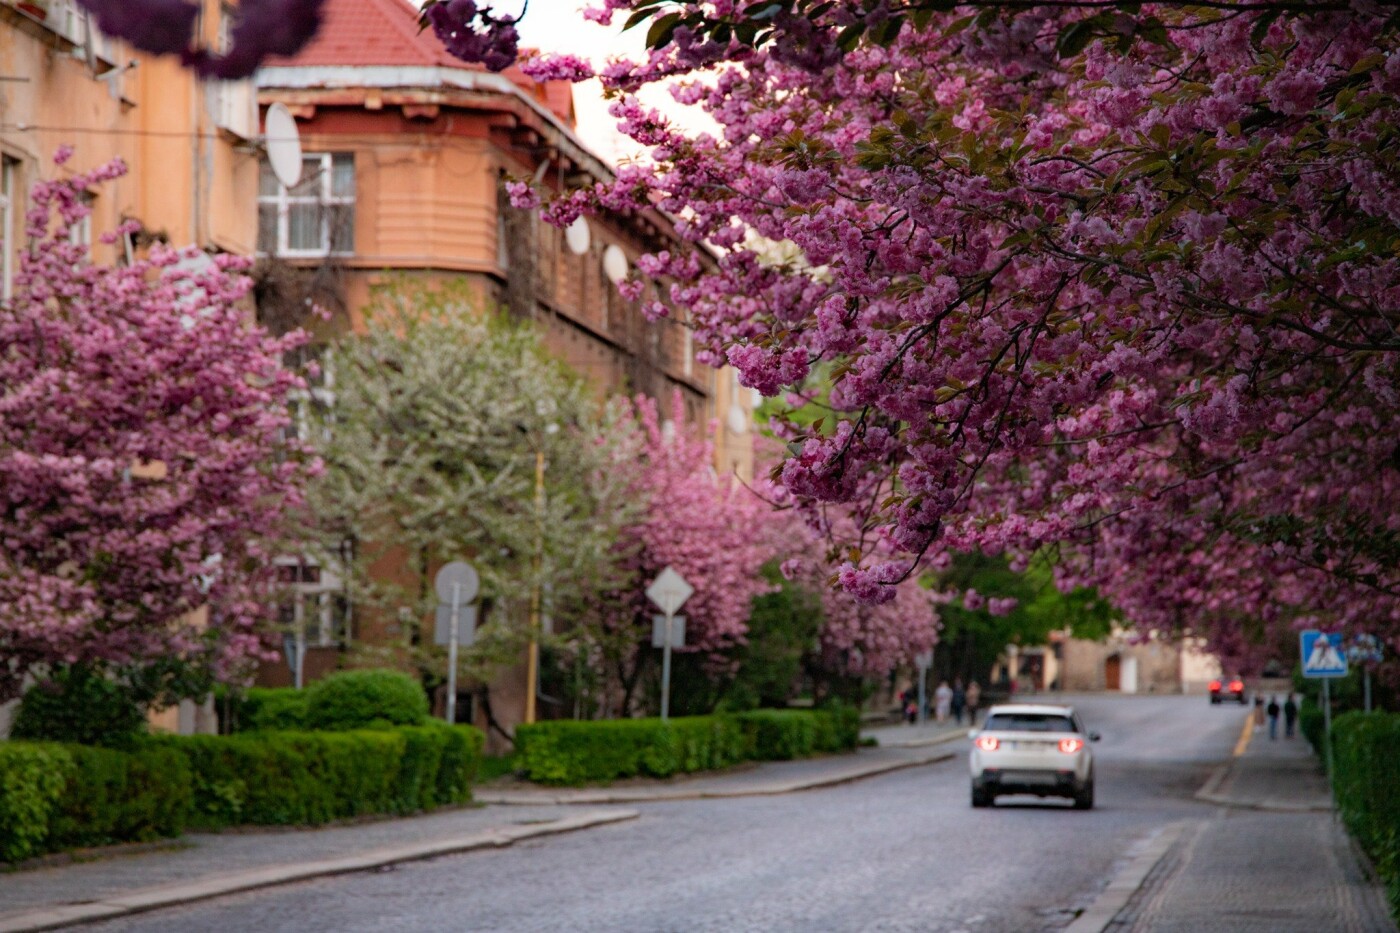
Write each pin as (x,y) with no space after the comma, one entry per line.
(1234,690)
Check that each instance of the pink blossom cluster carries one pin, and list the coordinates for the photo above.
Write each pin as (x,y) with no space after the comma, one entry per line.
(143,471)
(704,526)
(473,33)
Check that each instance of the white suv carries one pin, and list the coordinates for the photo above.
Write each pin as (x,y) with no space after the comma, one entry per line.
(1032,749)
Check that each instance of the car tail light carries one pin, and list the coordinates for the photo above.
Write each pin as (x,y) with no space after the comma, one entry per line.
(1070,746)
(1236,686)
(1215,685)
(987,743)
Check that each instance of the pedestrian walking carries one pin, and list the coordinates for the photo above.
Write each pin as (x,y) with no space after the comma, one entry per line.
(942,701)
(974,697)
(1290,716)
(959,700)
(909,699)
(1273,717)
(1258,713)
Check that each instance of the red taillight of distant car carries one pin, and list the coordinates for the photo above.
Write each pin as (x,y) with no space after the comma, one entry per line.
(1236,686)
(1215,685)
(987,743)
(1070,746)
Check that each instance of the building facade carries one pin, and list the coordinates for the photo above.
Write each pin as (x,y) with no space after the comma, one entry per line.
(406,153)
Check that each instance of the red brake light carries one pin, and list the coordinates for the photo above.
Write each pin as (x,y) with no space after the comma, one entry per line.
(1236,686)
(1070,746)
(1215,685)
(987,743)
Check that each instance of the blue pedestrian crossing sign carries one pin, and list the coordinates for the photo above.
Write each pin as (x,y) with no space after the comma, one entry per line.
(1323,655)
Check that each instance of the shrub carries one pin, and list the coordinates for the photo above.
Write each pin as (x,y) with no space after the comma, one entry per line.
(56,796)
(32,780)
(309,778)
(268,709)
(356,699)
(289,778)
(778,735)
(122,796)
(461,758)
(1366,769)
(569,752)
(78,704)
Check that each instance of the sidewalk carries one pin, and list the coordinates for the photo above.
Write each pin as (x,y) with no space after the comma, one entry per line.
(1270,858)
(201,866)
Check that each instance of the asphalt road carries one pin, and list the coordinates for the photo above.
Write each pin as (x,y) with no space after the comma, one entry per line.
(900,852)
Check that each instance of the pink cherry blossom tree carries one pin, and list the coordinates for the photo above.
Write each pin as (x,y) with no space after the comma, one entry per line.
(142,465)
(710,529)
(1120,281)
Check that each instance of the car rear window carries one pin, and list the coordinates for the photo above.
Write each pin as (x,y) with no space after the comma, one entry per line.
(1028,722)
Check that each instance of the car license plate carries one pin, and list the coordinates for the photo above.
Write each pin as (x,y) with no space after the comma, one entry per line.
(1034,778)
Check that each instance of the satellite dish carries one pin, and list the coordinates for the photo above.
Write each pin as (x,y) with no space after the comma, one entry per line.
(283,144)
(615,264)
(738,420)
(577,236)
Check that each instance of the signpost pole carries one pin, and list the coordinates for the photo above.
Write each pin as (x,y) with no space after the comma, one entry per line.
(299,669)
(1327,723)
(452,655)
(666,671)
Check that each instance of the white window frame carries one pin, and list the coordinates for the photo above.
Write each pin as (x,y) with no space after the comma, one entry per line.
(324,197)
(321,393)
(313,604)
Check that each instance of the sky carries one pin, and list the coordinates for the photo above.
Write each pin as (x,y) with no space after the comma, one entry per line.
(559,26)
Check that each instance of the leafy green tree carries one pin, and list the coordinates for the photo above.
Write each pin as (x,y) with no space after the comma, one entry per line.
(979,624)
(442,415)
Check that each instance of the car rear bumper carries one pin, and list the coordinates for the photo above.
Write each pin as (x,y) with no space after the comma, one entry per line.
(1041,782)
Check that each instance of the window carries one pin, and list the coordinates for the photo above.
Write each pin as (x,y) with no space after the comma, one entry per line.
(311,406)
(80,233)
(8,173)
(312,600)
(1028,722)
(317,217)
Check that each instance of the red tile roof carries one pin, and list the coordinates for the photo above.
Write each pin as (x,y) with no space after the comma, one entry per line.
(386,33)
(371,32)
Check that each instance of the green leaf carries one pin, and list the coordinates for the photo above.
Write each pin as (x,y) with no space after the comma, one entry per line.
(661,31)
(848,38)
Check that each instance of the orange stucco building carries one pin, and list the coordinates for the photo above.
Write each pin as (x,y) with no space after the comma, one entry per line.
(406,152)
(190,146)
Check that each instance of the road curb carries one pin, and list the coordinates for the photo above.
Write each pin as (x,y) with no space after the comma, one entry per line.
(138,901)
(1128,881)
(920,743)
(525,798)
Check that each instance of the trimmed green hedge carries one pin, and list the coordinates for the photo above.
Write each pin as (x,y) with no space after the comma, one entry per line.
(1366,763)
(308,778)
(33,776)
(271,709)
(55,796)
(782,734)
(356,699)
(571,752)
